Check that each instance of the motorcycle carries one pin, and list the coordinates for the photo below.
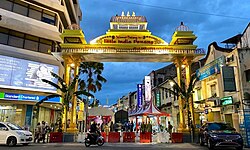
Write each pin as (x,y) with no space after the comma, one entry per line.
(93,139)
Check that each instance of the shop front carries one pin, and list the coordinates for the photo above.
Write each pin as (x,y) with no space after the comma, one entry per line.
(20,109)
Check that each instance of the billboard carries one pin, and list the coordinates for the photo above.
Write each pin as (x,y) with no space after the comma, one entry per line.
(26,75)
(139,95)
(211,68)
(147,89)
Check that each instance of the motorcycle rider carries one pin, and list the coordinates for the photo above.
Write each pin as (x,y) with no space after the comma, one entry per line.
(94,131)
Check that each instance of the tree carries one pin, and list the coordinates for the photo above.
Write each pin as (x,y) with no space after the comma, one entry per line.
(67,93)
(91,80)
(186,93)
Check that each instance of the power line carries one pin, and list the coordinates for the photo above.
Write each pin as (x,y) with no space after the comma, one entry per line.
(182,10)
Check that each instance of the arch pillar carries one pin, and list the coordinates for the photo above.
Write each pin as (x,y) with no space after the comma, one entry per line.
(188,63)
(178,64)
(73,126)
(66,79)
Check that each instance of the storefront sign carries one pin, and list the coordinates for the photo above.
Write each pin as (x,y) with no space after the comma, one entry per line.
(26,75)
(158,99)
(211,68)
(227,100)
(26,97)
(148,89)
(139,95)
(228,78)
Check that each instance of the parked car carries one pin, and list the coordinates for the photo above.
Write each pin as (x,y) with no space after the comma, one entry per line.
(12,134)
(220,134)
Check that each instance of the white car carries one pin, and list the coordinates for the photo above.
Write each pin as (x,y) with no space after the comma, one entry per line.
(12,134)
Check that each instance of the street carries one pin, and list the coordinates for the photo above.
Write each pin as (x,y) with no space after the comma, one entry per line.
(106,146)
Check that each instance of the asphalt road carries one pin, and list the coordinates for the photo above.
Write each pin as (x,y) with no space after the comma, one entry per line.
(107,146)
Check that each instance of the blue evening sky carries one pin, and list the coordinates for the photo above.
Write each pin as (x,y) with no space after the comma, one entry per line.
(214,20)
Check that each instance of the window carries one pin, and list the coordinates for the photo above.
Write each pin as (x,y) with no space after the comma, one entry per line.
(4,36)
(48,17)
(199,94)
(16,39)
(2,126)
(213,90)
(31,43)
(247,73)
(20,9)
(45,45)
(166,93)
(7,5)
(35,13)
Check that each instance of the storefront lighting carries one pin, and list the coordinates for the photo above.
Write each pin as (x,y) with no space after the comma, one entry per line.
(183,66)
(72,65)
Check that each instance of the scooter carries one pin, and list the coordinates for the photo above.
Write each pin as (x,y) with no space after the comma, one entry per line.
(93,139)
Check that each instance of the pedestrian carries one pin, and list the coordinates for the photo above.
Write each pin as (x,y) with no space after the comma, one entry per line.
(131,126)
(111,126)
(43,132)
(106,129)
(170,127)
(38,130)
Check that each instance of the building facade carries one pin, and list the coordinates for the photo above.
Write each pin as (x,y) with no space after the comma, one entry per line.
(29,31)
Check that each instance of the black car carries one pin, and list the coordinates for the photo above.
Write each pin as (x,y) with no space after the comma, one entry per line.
(219,134)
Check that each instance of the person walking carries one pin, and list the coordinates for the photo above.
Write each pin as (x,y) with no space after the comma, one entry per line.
(112,126)
(131,126)
(43,132)
(170,127)
(37,133)
(106,129)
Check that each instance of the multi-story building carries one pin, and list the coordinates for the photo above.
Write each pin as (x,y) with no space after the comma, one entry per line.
(224,83)
(29,31)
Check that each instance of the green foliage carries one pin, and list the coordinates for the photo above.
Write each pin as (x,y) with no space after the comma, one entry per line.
(182,90)
(93,80)
(67,93)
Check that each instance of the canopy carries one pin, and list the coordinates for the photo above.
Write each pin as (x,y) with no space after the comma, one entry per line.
(150,110)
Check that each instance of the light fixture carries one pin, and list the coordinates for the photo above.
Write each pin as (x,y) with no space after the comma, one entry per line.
(171,83)
(72,65)
(183,66)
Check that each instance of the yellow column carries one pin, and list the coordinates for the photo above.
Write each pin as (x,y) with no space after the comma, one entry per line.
(66,79)
(188,75)
(179,78)
(74,102)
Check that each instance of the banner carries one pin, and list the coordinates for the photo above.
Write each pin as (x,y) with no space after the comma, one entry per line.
(139,95)
(148,89)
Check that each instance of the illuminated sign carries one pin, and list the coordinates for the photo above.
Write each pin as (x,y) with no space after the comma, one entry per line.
(139,95)
(148,89)
(211,68)
(128,39)
(26,97)
(26,75)
(158,99)
(227,100)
